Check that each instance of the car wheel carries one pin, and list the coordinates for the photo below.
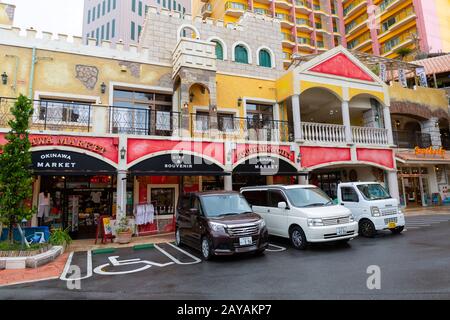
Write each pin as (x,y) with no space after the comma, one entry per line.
(397,230)
(206,249)
(298,238)
(260,252)
(178,237)
(367,228)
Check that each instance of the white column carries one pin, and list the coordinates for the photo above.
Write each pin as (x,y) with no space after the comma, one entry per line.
(36,190)
(298,135)
(393,185)
(303,180)
(121,194)
(346,122)
(388,124)
(228,183)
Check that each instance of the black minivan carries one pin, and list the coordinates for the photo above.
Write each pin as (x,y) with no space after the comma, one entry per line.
(219,223)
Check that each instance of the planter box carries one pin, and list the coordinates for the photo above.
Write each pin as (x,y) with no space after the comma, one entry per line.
(31,261)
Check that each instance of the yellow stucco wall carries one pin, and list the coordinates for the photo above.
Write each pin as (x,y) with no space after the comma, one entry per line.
(231,88)
(305,85)
(354,92)
(285,86)
(433,98)
(56,72)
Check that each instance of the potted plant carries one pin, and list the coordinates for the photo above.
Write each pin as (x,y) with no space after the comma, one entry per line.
(124,231)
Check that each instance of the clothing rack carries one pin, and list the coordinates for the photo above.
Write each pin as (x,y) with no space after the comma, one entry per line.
(155,221)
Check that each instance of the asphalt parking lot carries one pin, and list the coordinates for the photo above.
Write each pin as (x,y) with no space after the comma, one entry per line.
(413,265)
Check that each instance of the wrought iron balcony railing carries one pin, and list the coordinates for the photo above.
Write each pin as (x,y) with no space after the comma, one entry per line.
(411,139)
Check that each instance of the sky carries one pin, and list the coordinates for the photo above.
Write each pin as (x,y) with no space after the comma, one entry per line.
(57,16)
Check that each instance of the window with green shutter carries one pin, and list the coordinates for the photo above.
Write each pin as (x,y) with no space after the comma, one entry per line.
(140,8)
(114,4)
(133,5)
(219,50)
(264,59)
(240,54)
(113,28)
(133,31)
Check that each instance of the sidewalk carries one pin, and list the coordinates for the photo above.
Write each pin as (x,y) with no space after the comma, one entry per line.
(89,244)
(51,270)
(426,211)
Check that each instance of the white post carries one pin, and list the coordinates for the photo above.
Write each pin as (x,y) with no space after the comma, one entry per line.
(303,180)
(228,183)
(388,125)
(298,135)
(121,194)
(393,185)
(346,121)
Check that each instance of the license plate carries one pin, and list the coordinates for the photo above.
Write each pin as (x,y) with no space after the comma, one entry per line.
(392,225)
(245,241)
(341,231)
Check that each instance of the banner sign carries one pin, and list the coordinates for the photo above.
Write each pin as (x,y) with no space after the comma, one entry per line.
(402,78)
(420,72)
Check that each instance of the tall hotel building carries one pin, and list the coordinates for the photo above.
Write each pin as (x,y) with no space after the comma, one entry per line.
(314,26)
(116,20)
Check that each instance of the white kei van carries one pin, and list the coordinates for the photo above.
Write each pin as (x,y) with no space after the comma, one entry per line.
(372,206)
(302,213)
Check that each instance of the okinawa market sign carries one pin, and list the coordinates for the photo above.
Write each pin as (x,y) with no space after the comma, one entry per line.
(37,141)
(430,151)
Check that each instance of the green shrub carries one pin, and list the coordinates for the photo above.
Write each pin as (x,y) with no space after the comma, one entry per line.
(60,237)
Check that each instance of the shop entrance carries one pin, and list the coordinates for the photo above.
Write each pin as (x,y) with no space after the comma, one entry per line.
(76,202)
(414,188)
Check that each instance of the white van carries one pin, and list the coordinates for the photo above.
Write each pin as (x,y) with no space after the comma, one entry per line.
(302,213)
(372,206)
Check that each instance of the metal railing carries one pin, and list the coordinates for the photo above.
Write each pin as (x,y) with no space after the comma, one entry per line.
(203,125)
(52,115)
(411,139)
(140,121)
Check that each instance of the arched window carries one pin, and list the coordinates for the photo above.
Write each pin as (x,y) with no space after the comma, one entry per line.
(240,54)
(219,50)
(265,59)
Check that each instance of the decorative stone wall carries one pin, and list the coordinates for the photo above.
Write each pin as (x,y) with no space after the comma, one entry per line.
(430,127)
(160,36)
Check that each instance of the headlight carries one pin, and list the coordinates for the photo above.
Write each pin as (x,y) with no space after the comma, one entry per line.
(351,218)
(400,211)
(262,224)
(375,211)
(317,222)
(217,227)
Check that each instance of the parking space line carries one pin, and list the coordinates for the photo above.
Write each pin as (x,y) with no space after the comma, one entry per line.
(279,248)
(196,260)
(63,276)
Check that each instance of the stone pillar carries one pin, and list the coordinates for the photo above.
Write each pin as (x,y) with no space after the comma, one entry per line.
(430,127)
(346,122)
(388,124)
(393,185)
(298,132)
(228,183)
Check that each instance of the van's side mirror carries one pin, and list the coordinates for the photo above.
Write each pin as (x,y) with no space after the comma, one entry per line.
(282,205)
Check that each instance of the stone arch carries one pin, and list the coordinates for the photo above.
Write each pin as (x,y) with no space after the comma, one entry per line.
(246,46)
(222,43)
(193,29)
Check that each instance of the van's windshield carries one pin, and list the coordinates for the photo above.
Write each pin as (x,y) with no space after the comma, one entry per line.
(308,197)
(373,191)
(224,204)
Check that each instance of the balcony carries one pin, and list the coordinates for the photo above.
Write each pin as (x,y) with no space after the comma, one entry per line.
(304,25)
(205,126)
(393,45)
(288,40)
(286,20)
(302,7)
(55,115)
(388,5)
(401,19)
(206,10)
(367,135)
(411,139)
(319,10)
(320,28)
(235,9)
(335,134)
(284,4)
(353,7)
(304,43)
